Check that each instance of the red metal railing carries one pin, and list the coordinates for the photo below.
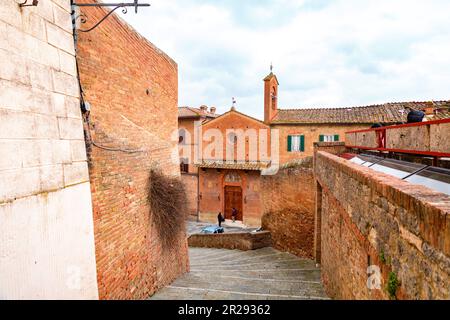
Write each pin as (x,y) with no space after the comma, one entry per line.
(382,144)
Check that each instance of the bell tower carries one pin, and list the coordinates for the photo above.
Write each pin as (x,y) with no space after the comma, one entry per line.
(270,96)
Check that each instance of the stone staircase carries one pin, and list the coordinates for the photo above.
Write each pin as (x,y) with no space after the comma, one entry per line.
(264,274)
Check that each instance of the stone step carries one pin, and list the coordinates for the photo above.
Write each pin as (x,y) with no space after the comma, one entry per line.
(263,259)
(264,274)
(281,265)
(252,285)
(289,274)
(176,293)
(231,255)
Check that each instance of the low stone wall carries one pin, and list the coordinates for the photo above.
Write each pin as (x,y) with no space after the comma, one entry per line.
(240,241)
(369,219)
(288,207)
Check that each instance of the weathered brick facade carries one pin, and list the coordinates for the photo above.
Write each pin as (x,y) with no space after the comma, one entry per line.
(214,182)
(132,87)
(288,204)
(190,181)
(368,218)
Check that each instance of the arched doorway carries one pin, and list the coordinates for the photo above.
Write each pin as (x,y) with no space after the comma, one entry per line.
(233,196)
(233,199)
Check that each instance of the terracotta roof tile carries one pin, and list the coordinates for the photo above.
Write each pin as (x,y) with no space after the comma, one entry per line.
(384,113)
(189,112)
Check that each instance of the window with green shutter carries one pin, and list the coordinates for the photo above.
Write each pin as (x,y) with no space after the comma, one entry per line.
(328,138)
(296,143)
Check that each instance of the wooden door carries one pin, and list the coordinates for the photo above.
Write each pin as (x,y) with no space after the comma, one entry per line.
(233,199)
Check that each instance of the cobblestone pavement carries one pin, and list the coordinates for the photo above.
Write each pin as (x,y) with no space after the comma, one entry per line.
(265,274)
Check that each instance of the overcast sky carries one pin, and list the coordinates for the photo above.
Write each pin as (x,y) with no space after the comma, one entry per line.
(326,53)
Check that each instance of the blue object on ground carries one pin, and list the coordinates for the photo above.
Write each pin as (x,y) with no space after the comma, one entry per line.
(213,230)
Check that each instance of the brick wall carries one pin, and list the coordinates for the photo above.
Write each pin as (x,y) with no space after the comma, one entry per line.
(212,195)
(190,182)
(243,124)
(189,147)
(46,227)
(288,204)
(132,87)
(369,218)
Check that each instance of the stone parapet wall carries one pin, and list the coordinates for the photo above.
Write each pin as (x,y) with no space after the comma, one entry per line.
(244,241)
(369,218)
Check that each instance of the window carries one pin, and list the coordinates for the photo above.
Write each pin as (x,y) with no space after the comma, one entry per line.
(232,138)
(296,143)
(274,98)
(329,138)
(182,136)
(184,165)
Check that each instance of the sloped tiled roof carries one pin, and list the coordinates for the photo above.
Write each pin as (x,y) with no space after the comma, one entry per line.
(189,112)
(384,113)
(233,110)
(238,165)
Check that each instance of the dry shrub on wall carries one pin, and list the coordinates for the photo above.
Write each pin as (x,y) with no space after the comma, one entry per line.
(168,204)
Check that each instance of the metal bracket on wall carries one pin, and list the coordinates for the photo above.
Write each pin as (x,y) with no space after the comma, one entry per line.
(115,6)
(33,3)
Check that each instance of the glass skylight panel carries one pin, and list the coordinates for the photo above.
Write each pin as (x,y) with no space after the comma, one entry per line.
(396,168)
(357,160)
(434,178)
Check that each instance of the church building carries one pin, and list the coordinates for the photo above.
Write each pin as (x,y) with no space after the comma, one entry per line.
(235,149)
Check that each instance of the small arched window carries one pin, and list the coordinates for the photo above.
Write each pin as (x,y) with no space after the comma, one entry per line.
(274,98)
(182,136)
(232,138)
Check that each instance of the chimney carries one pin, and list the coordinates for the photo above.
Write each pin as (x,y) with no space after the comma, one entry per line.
(204,108)
(429,109)
(213,110)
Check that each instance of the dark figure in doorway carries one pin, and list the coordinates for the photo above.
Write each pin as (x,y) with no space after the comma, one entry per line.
(234,214)
(221,219)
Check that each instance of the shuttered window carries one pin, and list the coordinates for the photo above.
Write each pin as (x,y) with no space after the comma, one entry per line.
(296,143)
(329,138)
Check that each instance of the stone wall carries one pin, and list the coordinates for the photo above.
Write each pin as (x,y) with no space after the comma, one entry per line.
(244,241)
(373,219)
(132,87)
(46,227)
(287,201)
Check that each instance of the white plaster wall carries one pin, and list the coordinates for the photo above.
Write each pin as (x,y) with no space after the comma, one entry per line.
(46,225)
(47,246)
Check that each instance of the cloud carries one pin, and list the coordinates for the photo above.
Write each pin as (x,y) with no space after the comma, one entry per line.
(326,53)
